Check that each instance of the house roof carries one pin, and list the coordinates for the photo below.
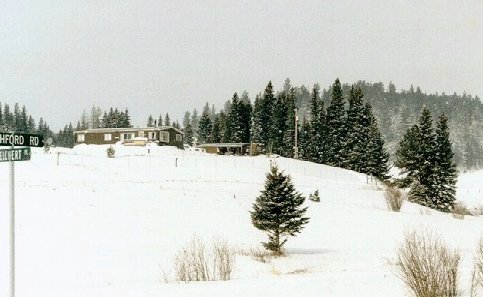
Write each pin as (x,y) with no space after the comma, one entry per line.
(110,130)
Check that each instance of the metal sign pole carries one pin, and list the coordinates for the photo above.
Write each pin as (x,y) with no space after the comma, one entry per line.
(12,227)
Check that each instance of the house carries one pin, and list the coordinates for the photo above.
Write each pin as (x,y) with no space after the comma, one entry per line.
(231,148)
(164,135)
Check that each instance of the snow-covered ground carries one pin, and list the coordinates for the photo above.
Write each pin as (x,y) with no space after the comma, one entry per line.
(92,226)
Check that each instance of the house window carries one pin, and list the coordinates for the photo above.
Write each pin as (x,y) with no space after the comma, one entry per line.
(128,136)
(107,137)
(164,136)
(179,137)
(80,137)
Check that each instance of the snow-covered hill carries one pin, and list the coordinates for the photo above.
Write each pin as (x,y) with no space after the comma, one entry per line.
(92,226)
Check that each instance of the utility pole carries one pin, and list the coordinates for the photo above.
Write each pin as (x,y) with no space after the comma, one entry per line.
(296,147)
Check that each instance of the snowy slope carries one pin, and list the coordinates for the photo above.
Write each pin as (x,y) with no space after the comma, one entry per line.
(93,226)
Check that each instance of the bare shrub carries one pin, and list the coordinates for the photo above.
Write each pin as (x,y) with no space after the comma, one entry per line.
(427,266)
(257,254)
(224,260)
(196,263)
(477,274)
(394,198)
(459,211)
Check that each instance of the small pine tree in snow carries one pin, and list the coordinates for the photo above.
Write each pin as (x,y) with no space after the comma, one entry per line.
(315,196)
(110,152)
(278,210)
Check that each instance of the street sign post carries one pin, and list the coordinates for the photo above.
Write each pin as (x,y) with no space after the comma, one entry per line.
(16,154)
(21,139)
(12,155)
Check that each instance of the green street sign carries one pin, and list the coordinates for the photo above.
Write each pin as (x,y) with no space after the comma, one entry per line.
(16,154)
(21,139)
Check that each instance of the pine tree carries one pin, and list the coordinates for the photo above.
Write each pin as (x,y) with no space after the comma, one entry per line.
(424,193)
(8,118)
(262,118)
(126,123)
(95,117)
(194,120)
(354,150)
(70,136)
(150,122)
(204,127)
(278,210)
(224,134)
(117,120)
(23,120)
(304,141)
(84,120)
(234,121)
(176,125)
(376,157)
(289,133)
(216,130)
(257,121)
(407,156)
(279,123)
(16,116)
(446,174)
(316,150)
(245,112)
(418,157)
(160,120)
(266,115)
(335,126)
(188,135)
(167,120)
(31,124)
(104,122)
(186,119)
(212,112)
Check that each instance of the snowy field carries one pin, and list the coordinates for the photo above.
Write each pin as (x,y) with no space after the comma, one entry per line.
(92,226)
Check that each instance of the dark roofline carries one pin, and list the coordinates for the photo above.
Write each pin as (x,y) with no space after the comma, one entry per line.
(101,130)
(237,144)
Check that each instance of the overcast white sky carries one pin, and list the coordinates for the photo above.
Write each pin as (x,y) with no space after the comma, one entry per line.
(60,57)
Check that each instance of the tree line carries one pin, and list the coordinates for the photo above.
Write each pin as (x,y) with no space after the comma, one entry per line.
(336,135)
(397,111)
(151,122)
(96,118)
(19,120)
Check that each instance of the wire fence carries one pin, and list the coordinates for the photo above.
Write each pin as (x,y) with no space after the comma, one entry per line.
(203,160)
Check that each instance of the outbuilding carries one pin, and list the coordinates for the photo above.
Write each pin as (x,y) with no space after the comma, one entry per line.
(231,148)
